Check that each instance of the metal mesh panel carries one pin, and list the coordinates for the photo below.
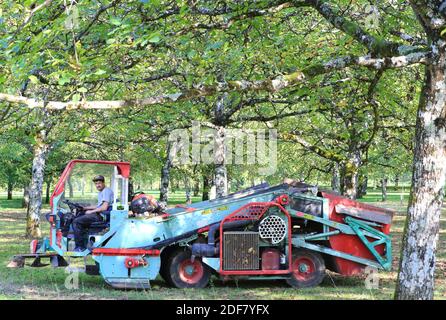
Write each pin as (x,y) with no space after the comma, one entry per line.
(249,212)
(240,250)
(273,228)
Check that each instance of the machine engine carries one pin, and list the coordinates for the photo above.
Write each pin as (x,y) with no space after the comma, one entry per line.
(260,248)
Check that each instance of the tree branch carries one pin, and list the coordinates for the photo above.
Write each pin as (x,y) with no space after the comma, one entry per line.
(296,137)
(96,16)
(269,85)
(226,24)
(262,118)
(376,115)
(31,14)
(376,46)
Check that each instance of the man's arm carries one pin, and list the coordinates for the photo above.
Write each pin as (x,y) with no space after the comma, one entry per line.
(102,208)
(91,207)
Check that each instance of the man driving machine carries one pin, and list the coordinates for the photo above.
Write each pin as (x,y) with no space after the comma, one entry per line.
(92,213)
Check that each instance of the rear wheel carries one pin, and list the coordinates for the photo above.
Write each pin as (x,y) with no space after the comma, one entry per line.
(164,269)
(164,273)
(181,272)
(308,269)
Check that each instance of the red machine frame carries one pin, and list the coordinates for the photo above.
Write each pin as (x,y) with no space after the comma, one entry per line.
(264,206)
(123,167)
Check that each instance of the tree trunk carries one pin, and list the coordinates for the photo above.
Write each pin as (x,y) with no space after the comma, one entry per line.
(384,189)
(70,188)
(47,195)
(40,154)
(196,188)
(187,190)
(417,263)
(335,183)
(363,181)
(131,190)
(220,172)
(341,178)
(350,175)
(351,183)
(172,184)
(165,177)
(83,186)
(397,182)
(25,200)
(10,189)
(206,186)
(164,184)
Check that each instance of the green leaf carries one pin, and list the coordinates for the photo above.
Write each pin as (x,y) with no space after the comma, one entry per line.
(33,79)
(154,38)
(100,72)
(66,78)
(76,97)
(82,89)
(215,45)
(191,54)
(115,21)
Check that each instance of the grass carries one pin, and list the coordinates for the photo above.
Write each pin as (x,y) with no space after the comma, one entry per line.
(48,283)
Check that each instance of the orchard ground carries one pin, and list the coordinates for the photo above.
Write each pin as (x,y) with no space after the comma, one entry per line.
(49,283)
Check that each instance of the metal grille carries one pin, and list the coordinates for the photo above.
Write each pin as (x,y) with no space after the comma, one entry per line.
(273,228)
(249,211)
(240,250)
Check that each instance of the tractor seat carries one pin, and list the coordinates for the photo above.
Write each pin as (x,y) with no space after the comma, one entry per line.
(97,227)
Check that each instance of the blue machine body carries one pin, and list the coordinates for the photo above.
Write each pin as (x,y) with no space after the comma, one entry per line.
(179,227)
(128,253)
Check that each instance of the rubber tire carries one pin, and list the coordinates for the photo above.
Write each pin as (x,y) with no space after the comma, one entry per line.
(164,269)
(92,270)
(164,272)
(316,277)
(172,271)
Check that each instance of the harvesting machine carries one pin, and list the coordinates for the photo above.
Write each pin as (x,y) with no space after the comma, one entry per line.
(291,231)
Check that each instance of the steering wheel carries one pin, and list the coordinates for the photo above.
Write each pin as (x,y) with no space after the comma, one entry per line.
(73,205)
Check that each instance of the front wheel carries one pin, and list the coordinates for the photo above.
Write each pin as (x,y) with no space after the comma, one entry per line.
(308,269)
(182,272)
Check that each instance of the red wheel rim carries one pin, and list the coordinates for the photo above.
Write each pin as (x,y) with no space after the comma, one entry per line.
(191,272)
(303,268)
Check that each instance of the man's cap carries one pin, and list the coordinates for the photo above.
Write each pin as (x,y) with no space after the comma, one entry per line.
(99,178)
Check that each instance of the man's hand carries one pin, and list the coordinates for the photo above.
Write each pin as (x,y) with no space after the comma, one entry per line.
(102,208)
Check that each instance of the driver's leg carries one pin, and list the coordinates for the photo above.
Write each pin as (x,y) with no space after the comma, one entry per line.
(80,224)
